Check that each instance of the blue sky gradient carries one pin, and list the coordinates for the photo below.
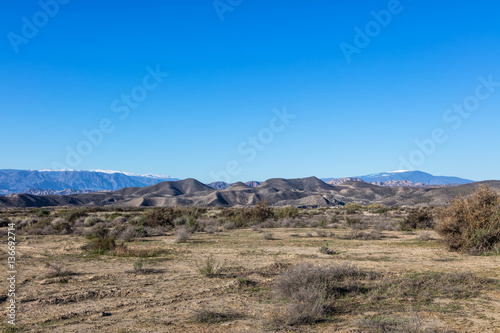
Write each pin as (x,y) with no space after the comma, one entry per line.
(227,80)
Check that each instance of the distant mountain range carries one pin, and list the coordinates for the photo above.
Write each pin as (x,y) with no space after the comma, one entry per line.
(414,177)
(304,192)
(65,182)
(223,185)
(403,178)
(37,191)
(72,181)
(391,178)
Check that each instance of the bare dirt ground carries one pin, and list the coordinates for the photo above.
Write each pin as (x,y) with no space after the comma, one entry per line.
(105,294)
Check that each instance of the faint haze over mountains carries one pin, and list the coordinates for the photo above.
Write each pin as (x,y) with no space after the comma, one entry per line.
(33,181)
(63,182)
(301,192)
(174,87)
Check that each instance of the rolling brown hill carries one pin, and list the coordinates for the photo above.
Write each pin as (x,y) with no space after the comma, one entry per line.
(303,192)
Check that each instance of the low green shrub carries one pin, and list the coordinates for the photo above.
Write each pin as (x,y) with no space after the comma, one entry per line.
(286,212)
(101,245)
(210,267)
(352,207)
(418,219)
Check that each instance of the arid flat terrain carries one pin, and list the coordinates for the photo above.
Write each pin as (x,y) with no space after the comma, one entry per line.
(226,278)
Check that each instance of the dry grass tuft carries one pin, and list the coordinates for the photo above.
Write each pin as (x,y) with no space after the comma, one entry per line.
(361,235)
(182,234)
(309,291)
(267,236)
(122,250)
(410,324)
(214,317)
(425,236)
(325,250)
(210,267)
(57,270)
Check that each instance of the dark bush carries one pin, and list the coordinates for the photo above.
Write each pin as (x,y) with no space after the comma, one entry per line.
(245,217)
(166,216)
(287,212)
(42,212)
(101,245)
(259,213)
(4,222)
(40,223)
(141,231)
(160,217)
(418,219)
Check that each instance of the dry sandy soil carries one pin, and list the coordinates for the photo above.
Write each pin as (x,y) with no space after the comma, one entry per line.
(105,294)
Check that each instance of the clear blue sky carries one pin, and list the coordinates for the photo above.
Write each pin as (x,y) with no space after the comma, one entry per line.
(227,76)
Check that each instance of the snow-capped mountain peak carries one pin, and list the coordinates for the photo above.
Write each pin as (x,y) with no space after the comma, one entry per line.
(150,175)
(109,172)
(413,176)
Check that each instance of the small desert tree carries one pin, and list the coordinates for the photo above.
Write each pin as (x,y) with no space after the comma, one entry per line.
(472,224)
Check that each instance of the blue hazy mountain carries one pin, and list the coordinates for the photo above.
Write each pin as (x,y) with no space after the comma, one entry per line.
(415,177)
(403,178)
(20,181)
